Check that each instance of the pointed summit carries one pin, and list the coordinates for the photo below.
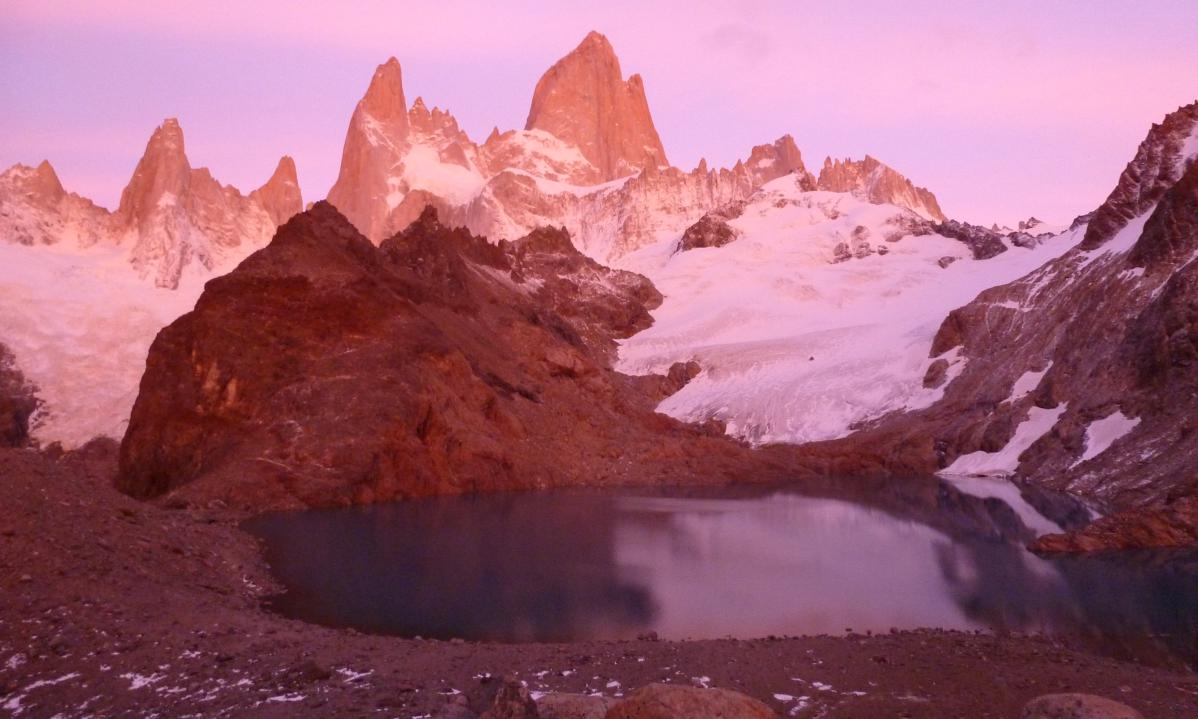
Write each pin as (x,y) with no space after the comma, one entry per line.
(162,171)
(584,100)
(384,99)
(375,143)
(280,196)
(46,182)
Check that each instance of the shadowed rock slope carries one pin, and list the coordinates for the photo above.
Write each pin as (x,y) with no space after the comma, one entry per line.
(326,371)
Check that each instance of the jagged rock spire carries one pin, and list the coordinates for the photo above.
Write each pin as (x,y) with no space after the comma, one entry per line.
(877,182)
(375,142)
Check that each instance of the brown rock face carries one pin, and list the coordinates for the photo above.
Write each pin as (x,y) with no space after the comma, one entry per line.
(1156,166)
(878,183)
(280,196)
(782,157)
(667,701)
(326,371)
(584,100)
(1174,524)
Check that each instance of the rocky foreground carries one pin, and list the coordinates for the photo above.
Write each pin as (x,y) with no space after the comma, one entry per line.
(113,607)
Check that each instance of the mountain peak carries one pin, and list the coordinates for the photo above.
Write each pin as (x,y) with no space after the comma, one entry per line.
(280,196)
(376,140)
(584,100)
(384,98)
(595,42)
(46,183)
(162,170)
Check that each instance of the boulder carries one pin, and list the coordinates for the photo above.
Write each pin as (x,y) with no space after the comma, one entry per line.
(665,701)
(574,706)
(1077,706)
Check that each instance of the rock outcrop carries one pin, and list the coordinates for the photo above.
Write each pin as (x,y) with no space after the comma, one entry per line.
(712,229)
(1077,706)
(585,101)
(878,183)
(435,363)
(1169,525)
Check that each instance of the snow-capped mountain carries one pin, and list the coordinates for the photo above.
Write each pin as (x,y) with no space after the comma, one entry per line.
(589,159)
(83,290)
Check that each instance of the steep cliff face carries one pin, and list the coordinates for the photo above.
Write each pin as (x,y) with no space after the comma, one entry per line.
(585,101)
(435,363)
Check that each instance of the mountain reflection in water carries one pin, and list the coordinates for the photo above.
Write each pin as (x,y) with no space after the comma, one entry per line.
(822,557)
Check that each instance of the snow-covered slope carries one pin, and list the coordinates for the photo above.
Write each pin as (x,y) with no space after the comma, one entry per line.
(83,291)
(798,343)
(79,326)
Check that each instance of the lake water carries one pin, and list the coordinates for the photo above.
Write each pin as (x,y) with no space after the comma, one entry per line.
(860,556)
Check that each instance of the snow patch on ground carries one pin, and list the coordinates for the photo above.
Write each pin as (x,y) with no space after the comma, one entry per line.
(425,170)
(1039,421)
(1102,433)
(1027,382)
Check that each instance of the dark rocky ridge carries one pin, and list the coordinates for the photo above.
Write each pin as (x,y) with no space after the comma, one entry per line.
(326,371)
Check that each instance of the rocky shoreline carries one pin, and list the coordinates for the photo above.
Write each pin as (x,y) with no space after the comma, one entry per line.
(114,607)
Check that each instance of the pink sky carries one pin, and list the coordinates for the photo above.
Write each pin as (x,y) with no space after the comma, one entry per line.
(1004,110)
